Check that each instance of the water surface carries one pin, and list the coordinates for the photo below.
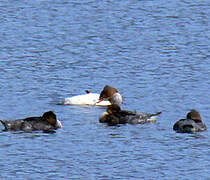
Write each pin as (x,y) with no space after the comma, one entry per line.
(155,52)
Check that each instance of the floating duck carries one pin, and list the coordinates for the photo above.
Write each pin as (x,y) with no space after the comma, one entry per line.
(109,95)
(114,115)
(192,123)
(47,123)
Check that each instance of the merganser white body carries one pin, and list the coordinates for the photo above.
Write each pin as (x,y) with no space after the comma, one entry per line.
(86,99)
(109,95)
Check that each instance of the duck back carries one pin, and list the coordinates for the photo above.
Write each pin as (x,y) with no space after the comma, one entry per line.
(189,126)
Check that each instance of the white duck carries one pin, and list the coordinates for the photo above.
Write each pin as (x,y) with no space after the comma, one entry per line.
(86,99)
(109,95)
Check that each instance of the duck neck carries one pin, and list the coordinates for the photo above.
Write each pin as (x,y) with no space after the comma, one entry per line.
(116,98)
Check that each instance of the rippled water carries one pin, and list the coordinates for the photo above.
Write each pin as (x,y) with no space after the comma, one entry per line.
(155,52)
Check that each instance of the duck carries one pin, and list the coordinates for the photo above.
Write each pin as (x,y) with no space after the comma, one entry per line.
(192,123)
(114,116)
(111,94)
(85,99)
(46,123)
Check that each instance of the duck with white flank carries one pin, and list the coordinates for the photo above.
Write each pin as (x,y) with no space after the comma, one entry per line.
(109,95)
(114,115)
(192,123)
(47,123)
(85,99)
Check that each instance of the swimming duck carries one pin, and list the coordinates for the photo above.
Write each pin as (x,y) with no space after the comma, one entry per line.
(47,123)
(111,94)
(114,115)
(86,99)
(192,123)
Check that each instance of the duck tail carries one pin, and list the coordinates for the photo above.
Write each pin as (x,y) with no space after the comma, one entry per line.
(157,113)
(4,124)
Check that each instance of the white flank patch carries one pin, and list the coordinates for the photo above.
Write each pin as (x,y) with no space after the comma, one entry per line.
(86,99)
(152,119)
(59,124)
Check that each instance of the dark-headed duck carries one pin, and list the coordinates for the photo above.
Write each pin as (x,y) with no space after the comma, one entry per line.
(47,123)
(114,115)
(192,123)
(111,94)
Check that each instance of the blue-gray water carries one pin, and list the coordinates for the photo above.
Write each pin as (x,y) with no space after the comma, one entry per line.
(157,53)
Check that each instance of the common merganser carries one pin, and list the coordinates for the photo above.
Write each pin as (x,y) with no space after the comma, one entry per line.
(192,123)
(114,115)
(86,99)
(47,123)
(111,94)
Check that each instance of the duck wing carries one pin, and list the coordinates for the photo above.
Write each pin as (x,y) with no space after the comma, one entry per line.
(189,126)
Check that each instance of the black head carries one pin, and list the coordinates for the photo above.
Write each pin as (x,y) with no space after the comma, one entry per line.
(50,117)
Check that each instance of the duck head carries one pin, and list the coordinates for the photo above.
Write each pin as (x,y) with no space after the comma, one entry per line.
(50,117)
(111,94)
(194,115)
(113,108)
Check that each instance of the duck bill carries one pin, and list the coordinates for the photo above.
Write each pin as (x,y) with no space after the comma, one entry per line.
(101,99)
